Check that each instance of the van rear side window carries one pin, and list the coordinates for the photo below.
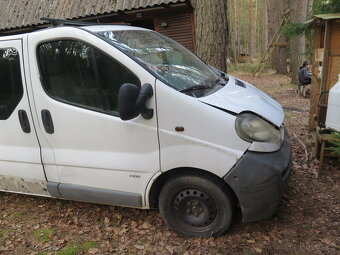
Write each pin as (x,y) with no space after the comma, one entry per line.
(11,90)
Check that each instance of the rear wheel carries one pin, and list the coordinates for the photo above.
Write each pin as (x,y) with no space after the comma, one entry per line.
(196,206)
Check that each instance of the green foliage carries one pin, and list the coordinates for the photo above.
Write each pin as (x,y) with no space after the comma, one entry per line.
(292,30)
(319,7)
(336,145)
(326,6)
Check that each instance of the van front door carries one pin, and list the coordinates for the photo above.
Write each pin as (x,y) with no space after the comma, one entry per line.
(20,162)
(98,157)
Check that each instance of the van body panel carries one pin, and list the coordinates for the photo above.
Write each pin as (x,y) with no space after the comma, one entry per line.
(94,195)
(91,148)
(24,185)
(47,153)
(259,180)
(210,145)
(237,99)
(19,151)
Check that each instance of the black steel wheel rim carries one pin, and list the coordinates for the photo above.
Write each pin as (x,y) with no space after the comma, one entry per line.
(195,209)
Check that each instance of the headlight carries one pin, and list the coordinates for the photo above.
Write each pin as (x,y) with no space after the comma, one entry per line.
(252,128)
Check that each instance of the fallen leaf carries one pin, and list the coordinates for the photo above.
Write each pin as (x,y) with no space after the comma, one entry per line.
(94,251)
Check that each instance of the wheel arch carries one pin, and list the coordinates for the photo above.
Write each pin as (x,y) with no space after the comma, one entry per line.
(157,185)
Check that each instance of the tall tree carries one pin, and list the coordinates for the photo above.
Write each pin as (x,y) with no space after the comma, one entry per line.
(211,36)
(237,29)
(275,10)
(252,29)
(232,50)
(298,43)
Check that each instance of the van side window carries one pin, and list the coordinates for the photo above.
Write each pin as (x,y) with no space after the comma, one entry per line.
(11,90)
(79,74)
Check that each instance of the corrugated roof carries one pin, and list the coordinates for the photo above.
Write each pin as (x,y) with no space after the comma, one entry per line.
(21,13)
(328,16)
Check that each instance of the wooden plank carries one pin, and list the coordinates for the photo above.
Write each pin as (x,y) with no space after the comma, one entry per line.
(318,53)
(280,44)
(334,71)
(334,52)
(275,38)
(315,87)
(325,71)
(335,36)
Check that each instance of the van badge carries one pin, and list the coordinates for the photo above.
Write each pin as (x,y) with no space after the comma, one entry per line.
(134,176)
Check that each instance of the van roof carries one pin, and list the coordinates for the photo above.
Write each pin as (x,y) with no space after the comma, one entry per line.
(92,28)
(101,28)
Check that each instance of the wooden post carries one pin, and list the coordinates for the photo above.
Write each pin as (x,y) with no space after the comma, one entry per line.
(325,63)
(315,86)
(315,93)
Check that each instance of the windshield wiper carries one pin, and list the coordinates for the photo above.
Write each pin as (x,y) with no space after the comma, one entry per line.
(196,87)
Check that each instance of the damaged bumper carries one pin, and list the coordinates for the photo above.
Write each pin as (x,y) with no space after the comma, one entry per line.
(259,179)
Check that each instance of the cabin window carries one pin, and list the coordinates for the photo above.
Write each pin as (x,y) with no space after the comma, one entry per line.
(11,89)
(79,74)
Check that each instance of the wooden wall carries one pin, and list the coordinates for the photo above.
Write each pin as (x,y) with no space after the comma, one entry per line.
(334,55)
(178,27)
(327,55)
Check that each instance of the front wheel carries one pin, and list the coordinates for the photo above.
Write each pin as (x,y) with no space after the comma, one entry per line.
(196,205)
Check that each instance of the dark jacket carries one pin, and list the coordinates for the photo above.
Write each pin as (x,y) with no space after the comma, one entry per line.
(304,77)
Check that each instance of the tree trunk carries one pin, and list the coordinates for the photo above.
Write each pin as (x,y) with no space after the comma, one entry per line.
(211,31)
(297,44)
(265,27)
(275,10)
(237,29)
(252,29)
(232,50)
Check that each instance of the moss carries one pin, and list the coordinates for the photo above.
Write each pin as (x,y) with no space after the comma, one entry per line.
(75,249)
(43,253)
(245,252)
(288,114)
(5,231)
(68,250)
(43,235)
(16,215)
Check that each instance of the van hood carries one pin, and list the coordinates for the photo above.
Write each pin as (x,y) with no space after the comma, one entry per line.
(239,96)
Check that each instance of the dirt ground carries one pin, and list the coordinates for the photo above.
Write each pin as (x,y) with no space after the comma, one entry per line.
(307,221)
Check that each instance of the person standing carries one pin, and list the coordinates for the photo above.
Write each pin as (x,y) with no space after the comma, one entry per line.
(304,79)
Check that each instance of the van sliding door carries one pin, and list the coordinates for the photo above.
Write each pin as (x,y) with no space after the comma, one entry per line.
(21,170)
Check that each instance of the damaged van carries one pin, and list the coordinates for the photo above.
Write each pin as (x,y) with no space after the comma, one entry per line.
(125,116)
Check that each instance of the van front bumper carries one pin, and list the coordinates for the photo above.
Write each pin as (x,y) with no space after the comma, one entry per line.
(259,179)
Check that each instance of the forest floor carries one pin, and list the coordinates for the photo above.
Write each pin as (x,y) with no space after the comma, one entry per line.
(307,222)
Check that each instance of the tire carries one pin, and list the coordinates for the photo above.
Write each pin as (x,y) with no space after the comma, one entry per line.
(196,205)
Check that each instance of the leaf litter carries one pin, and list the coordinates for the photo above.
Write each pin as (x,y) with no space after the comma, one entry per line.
(307,221)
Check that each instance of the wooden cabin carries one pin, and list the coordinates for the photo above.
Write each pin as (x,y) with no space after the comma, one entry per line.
(173,18)
(326,61)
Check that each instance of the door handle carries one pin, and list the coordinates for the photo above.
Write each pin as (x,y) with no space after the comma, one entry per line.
(47,121)
(24,122)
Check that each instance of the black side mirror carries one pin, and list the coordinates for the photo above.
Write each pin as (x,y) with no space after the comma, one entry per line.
(145,93)
(132,101)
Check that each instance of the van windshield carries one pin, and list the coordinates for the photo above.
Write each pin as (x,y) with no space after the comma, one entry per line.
(169,61)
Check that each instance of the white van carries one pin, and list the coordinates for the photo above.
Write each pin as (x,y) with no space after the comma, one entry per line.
(121,115)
